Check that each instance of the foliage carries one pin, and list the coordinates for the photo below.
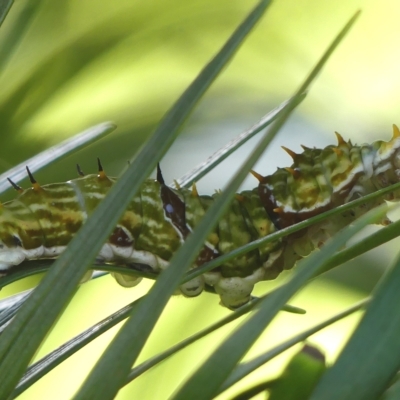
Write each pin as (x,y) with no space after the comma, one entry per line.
(365,367)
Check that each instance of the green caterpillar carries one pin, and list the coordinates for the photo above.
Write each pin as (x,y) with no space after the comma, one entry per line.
(40,221)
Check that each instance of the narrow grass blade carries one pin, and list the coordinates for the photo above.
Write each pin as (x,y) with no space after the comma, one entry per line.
(10,306)
(37,370)
(371,357)
(19,29)
(206,381)
(205,167)
(11,301)
(130,337)
(128,343)
(56,357)
(5,6)
(30,325)
(56,152)
(99,383)
(145,366)
(244,369)
(370,242)
(21,338)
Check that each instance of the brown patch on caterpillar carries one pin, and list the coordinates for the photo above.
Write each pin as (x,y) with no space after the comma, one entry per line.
(207,254)
(175,210)
(269,202)
(290,218)
(173,206)
(267,197)
(281,218)
(120,238)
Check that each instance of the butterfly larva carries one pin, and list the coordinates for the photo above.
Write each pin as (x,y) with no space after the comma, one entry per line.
(41,221)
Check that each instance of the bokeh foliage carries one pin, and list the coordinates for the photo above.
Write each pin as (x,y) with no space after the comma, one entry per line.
(81,62)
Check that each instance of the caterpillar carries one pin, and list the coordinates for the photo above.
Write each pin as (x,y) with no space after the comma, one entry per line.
(41,220)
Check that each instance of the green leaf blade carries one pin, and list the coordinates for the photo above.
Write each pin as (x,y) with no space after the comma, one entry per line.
(5,6)
(371,358)
(35,318)
(244,369)
(205,383)
(127,345)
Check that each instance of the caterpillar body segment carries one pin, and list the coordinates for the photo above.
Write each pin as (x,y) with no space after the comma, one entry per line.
(40,222)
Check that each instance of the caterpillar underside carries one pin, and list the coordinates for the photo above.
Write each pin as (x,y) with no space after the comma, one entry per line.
(40,222)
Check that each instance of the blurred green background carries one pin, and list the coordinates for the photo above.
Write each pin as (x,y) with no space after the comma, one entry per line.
(68,65)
